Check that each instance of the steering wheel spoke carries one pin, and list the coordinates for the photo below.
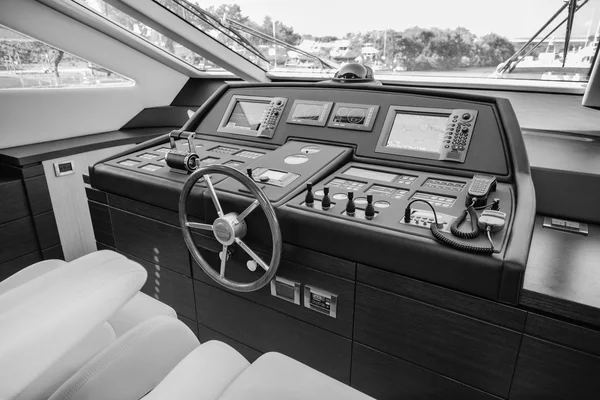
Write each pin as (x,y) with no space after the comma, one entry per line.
(252,254)
(223,261)
(248,210)
(199,225)
(213,195)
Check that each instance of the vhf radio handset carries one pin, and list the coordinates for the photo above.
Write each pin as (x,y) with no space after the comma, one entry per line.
(181,160)
(480,189)
(490,221)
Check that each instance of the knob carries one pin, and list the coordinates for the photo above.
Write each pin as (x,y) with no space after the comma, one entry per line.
(326,202)
(264,179)
(309,200)
(369,210)
(350,206)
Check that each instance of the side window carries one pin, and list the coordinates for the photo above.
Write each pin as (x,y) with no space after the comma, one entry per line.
(28,63)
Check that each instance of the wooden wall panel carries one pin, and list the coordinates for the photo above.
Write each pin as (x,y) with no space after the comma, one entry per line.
(267,330)
(17,238)
(150,240)
(38,195)
(69,201)
(343,288)
(14,200)
(471,351)
(46,229)
(102,224)
(388,378)
(170,287)
(486,310)
(205,334)
(552,372)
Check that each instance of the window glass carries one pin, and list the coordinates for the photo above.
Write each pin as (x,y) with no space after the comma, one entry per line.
(143,31)
(28,63)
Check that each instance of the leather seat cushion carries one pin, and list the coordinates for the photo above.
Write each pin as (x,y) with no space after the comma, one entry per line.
(203,375)
(275,376)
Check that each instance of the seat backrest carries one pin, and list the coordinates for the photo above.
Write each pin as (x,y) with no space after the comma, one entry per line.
(43,318)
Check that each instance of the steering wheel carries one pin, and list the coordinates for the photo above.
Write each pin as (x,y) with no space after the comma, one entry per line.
(230,228)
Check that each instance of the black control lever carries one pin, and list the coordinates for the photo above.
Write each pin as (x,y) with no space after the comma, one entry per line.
(350,206)
(309,200)
(249,172)
(369,210)
(326,202)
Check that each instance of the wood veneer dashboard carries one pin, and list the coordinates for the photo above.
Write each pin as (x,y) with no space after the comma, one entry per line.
(494,147)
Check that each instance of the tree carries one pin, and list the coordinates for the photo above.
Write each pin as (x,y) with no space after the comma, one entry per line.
(282,32)
(492,49)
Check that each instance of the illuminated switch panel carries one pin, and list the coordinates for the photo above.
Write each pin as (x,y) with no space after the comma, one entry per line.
(129,162)
(406,179)
(162,149)
(249,154)
(346,184)
(151,167)
(148,156)
(445,185)
(224,150)
(435,199)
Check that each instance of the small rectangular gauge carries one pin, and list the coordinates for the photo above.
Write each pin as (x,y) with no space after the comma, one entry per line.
(308,112)
(353,116)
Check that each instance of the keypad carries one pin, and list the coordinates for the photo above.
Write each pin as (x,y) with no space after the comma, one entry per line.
(406,179)
(445,185)
(162,149)
(435,199)
(346,184)
(224,150)
(148,156)
(129,162)
(249,154)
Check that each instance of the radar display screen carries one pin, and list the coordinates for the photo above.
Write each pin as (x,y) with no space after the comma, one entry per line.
(247,115)
(418,132)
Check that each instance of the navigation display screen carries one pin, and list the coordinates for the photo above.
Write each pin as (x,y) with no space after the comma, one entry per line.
(247,115)
(418,132)
(370,174)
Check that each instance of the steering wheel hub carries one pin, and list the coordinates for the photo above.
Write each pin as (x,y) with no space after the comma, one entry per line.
(227,228)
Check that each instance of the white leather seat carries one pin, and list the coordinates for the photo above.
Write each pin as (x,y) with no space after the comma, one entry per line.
(215,371)
(39,286)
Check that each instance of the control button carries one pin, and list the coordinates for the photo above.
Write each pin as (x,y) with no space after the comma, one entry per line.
(465,130)
(558,222)
(310,149)
(573,225)
(295,159)
(251,265)
(466,116)
(381,204)
(319,193)
(340,196)
(361,201)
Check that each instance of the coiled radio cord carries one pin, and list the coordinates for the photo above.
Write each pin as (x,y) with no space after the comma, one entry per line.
(435,230)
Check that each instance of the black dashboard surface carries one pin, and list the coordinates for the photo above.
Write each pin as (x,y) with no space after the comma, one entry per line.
(344,155)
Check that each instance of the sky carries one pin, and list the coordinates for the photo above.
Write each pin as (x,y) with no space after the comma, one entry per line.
(511,18)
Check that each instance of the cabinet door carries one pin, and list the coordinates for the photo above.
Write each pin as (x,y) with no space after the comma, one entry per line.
(466,349)
(553,372)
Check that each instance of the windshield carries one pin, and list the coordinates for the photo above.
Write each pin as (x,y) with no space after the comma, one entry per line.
(552,40)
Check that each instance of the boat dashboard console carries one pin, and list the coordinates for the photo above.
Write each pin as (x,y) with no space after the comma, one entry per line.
(432,185)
